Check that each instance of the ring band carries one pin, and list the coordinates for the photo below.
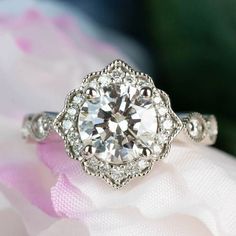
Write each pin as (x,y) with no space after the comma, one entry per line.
(197,128)
(118,124)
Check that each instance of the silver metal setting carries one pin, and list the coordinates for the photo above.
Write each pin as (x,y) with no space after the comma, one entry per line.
(191,127)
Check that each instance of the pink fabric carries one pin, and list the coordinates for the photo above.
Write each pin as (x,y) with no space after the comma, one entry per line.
(192,192)
(43,192)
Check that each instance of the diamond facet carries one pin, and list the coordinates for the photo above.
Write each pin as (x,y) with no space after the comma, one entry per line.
(142,164)
(162,110)
(71,111)
(77,99)
(117,174)
(118,124)
(67,124)
(118,74)
(167,124)
(104,79)
(73,137)
(157,99)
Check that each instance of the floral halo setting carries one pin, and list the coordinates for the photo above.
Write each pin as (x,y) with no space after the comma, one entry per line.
(118,124)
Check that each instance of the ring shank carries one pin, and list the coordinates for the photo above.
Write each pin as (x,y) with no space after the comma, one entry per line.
(197,128)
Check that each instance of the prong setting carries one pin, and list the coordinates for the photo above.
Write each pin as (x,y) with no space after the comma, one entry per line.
(88,151)
(146,92)
(91,93)
(146,152)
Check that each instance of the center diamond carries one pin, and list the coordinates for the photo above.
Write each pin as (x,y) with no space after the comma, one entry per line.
(119,123)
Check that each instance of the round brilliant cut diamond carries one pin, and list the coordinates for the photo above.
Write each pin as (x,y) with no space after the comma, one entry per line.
(118,123)
(67,124)
(71,111)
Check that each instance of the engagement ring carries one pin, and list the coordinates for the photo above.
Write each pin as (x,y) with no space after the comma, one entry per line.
(118,124)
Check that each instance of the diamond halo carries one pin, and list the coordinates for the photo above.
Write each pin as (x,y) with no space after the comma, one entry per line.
(117,124)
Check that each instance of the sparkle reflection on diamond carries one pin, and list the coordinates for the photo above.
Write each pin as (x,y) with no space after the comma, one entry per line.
(142,164)
(118,124)
(157,99)
(77,99)
(104,79)
(167,124)
(71,111)
(67,124)
(162,110)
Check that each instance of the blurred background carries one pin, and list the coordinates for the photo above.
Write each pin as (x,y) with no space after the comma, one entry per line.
(190,48)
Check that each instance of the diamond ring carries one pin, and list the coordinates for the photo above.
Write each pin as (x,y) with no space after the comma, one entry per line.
(118,124)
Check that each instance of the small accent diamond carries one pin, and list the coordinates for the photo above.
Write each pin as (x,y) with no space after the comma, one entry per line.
(104,166)
(162,138)
(143,164)
(118,73)
(92,164)
(104,79)
(162,110)
(117,174)
(167,124)
(157,149)
(73,137)
(93,84)
(77,149)
(67,124)
(77,99)
(71,111)
(157,99)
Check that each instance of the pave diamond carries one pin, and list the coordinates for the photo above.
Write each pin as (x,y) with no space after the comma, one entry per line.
(117,174)
(157,99)
(118,73)
(162,110)
(119,124)
(77,99)
(67,124)
(92,164)
(73,137)
(104,79)
(167,124)
(77,149)
(142,164)
(71,111)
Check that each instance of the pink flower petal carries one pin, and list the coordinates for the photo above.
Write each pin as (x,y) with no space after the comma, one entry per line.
(70,201)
